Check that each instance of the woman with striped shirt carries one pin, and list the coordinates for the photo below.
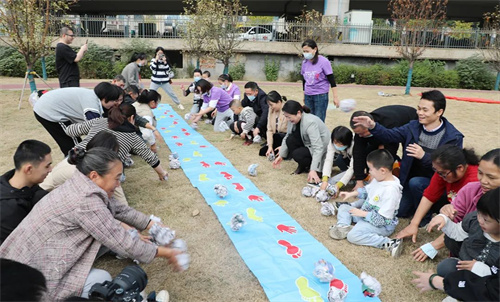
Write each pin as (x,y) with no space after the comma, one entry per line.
(120,123)
(162,75)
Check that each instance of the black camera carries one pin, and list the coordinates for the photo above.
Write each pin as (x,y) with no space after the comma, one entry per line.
(127,286)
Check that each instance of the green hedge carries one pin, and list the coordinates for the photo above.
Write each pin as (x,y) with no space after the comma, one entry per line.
(104,63)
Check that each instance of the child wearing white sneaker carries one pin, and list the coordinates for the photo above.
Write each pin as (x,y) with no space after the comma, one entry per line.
(377,217)
(246,121)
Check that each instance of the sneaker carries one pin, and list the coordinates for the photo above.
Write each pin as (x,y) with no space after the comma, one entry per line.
(180,107)
(395,247)
(128,161)
(339,232)
(194,126)
(208,121)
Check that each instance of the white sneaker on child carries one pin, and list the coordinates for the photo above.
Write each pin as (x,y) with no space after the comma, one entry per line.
(339,232)
(208,121)
(395,247)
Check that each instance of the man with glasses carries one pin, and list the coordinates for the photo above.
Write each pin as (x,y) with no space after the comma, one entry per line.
(67,59)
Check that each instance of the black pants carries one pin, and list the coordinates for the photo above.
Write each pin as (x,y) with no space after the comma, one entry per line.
(55,130)
(277,140)
(70,83)
(299,153)
(453,246)
(238,129)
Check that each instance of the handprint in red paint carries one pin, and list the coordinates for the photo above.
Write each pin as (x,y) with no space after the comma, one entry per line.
(238,187)
(175,137)
(178,144)
(255,198)
(175,123)
(171,115)
(218,163)
(203,146)
(163,128)
(183,130)
(291,250)
(285,228)
(187,133)
(204,164)
(226,175)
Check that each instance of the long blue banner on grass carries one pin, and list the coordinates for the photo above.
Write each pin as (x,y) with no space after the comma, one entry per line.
(279,252)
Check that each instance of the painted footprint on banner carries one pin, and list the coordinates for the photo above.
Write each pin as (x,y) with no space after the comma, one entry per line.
(218,163)
(255,198)
(238,187)
(226,175)
(221,203)
(186,159)
(285,228)
(179,144)
(307,293)
(171,126)
(291,250)
(251,215)
(197,154)
(194,143)
(203,177)
(167,131)
(204,164)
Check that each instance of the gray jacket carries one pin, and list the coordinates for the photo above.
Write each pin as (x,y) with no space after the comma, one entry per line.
(131,75)
(315,136)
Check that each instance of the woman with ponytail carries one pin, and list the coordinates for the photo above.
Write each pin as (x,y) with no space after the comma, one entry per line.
(66,230)
(276,124)
(131,71)
(147,101)
(306,141)
(120,123)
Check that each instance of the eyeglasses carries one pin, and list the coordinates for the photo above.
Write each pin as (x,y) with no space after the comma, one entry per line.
(71,36)
(442,174)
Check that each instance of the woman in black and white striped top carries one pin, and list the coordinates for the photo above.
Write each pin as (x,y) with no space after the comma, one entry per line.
(120,123)
(162,75)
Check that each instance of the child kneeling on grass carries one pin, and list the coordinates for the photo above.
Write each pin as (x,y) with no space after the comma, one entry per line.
(377,217)
(245,124)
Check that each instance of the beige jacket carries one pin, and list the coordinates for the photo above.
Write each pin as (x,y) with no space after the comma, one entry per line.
(272,128)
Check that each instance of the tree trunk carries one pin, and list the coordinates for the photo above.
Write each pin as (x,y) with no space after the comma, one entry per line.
(408,80)
(198,62)
(31,78)
(226,68)
(497,83)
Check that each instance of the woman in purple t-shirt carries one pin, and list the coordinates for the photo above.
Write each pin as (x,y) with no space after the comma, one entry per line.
(226,83)
(317,78)
(214,98)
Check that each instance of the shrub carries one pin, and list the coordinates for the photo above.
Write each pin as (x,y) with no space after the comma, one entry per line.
(190,70)
(294,75)
(50,66)
(237,71)
(12,63)
(97,63)
(343,73)
(137,45)
(473,73)
(271,69)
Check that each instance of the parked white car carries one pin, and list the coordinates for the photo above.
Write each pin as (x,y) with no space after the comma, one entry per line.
(255,33)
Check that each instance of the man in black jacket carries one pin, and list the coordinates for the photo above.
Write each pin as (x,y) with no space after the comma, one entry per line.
(388,116)
(19,190)
(257,99)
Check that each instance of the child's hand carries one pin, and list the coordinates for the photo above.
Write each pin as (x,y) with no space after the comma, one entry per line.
(438,221)
(419,255)
(358,213)
(449,211)
(347,195)
(466,265)
(324,184)
(182,87)
(243,135)
(269,151)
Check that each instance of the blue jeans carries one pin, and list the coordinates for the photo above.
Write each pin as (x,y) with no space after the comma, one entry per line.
(363,233)
(412,194)
(318,104)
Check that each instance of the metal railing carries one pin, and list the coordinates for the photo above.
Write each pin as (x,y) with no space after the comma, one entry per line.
(143,26)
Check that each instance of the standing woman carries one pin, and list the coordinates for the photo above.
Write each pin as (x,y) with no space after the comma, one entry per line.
(162,75)
(306,140)
(317,79)
(131,71)
(226,83)
(214,98)
(276,124)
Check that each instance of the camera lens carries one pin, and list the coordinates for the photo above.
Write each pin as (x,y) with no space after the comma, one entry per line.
(132,278)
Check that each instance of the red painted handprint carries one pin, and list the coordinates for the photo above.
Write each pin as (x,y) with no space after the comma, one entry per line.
(178,144)
(255,198)
(203,146)
(183,130)
(226,175)
(291,250)
(175,137)
(187,133)
(204,164)
(238,187)
(163,128)
(171,115)
(218,163)
(175,123)
(285,228)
